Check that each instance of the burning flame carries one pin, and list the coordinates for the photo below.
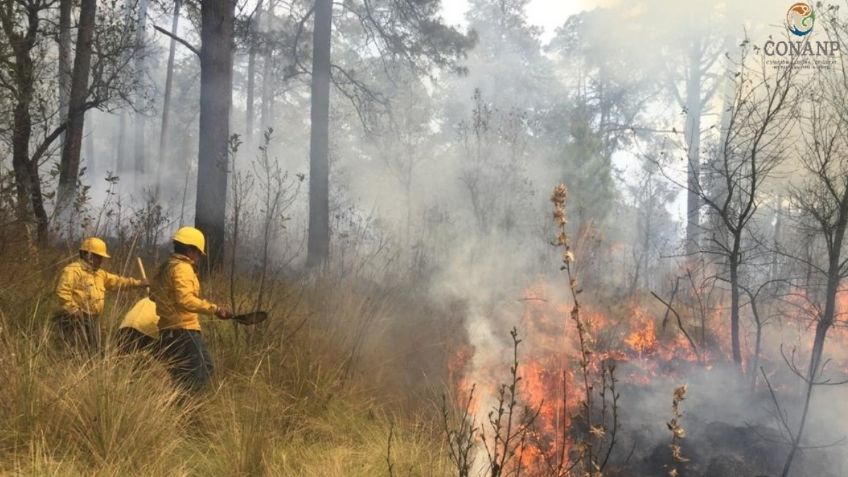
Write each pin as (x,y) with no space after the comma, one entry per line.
(643,340)
(633,336)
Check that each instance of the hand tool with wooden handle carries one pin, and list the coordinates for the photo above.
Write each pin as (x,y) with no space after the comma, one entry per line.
(143,274)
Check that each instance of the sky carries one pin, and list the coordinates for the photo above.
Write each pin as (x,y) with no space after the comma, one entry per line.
(548,14)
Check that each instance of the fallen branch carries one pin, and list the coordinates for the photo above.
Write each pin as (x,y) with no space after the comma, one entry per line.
(679,323)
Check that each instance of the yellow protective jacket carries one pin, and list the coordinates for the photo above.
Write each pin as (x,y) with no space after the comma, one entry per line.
(176,291)
(142,317)
(82,289)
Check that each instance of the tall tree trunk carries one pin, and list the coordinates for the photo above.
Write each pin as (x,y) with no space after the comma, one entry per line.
(216,77)
(90,160)
(27,182)
(140,119)
(251,76)
(729,92)
(693,145)
(758,342)
(776,238)
(267,82)
(718,188)
(265,116)
(70,162)
(121,152)
(166,105)
(318,247)
(834,279)
(65,7)
(734,300)
(122,164)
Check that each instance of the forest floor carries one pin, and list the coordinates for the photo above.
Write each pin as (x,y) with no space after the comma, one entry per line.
(345,378)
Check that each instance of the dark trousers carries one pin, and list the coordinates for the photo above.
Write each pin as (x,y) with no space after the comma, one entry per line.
(130,340)
(80,332)
(187,358)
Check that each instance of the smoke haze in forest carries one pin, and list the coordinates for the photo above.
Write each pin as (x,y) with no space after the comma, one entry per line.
(412,147)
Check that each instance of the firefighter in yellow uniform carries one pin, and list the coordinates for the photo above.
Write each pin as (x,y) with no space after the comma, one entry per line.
(139,329)
(176,291)
(82,291)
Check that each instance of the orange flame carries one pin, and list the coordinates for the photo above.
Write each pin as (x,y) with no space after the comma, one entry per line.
(631,334)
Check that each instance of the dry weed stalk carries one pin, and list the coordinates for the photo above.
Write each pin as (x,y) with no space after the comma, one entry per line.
(461,438)
(595,446)
(509,425)
(677,431)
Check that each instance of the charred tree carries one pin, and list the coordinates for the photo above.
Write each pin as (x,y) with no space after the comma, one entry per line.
(216,70)
(318,247)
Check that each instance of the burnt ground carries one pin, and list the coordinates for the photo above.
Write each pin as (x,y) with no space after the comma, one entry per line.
(730,432)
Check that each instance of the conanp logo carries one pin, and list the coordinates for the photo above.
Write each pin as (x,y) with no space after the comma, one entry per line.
(801,52)
(800,19)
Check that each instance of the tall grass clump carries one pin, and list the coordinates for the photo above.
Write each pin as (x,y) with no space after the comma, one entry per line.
(340,380)
(110,415)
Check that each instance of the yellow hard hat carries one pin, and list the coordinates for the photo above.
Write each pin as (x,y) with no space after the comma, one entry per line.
(191,236)
(94,245)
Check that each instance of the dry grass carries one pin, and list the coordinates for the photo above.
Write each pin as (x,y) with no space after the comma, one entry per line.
(313,392)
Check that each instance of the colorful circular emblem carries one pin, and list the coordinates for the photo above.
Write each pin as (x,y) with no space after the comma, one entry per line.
(800,19)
